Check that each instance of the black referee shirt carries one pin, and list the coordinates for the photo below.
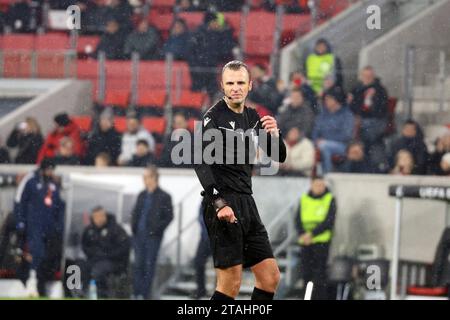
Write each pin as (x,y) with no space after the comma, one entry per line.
(235,176)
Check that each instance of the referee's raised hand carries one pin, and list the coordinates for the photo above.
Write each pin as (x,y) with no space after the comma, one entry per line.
(270,125)
(227,214)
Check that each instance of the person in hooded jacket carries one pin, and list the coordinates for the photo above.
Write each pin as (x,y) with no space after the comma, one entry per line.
(107,248)
(64,127)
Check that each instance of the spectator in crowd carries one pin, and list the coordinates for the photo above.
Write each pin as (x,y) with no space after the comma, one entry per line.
(211,44)
(333,128)
(369,103)
(412,140)
(404,163)
(300,154)
(107,248)
(144,41)
(179,122)
(102,160)
(297,80)
(298,113)
(290,6)
(445,165)
(18,17)
(226,5)
(111,42)
(65,155)
(178,41)
(442,146)
(143,157)
(4,154)
(315,222)
(64,127)
(105,139)
(356,161)
(265,90)
(322,64)
(40,216)
(120,11)
(150,217)
(27,137)
(134,133)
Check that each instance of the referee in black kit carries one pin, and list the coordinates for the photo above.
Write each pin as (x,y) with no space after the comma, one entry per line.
(237,235)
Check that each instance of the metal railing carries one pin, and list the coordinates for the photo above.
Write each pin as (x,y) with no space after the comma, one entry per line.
(425,77)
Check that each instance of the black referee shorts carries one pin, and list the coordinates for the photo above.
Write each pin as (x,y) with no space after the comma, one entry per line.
(245,242)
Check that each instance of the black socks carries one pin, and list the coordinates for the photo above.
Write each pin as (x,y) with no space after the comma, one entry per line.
(220,296)
(259,294)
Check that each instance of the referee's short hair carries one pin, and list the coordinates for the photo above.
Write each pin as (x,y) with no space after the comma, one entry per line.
(236,65)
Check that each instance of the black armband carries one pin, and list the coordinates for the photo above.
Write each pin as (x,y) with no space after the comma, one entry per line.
(219,204)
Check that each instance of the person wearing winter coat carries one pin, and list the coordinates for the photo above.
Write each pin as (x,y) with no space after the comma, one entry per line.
(64,127)
(107,248)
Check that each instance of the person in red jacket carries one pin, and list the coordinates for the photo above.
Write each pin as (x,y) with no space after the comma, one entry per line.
(64,127)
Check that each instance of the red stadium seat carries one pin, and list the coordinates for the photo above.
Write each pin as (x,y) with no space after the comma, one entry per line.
(259,33)
(51,65)
(120,124)
(181,76)
(87,44)
(83,122)
(300,23)
(117,98)
(151,98)
(118,75)
(17,42)
(50,55)
(193,19)
(17,55)
(88,70)
(17,64)
(163,3)
(152,75)
(155,125)
(188,99)
(52,41)
(234,21)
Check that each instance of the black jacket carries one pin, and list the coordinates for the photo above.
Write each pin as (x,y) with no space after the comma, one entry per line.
(216,178)
(110,242)
(143,161)
(379,107)
(328,224)
(160,215)
(29,146)
(109,142)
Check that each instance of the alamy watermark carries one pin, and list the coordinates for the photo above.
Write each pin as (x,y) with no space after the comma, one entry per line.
(373,22)
(73,20)
(225,146)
